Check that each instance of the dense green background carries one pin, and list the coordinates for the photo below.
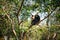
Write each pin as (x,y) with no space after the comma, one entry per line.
(12,12)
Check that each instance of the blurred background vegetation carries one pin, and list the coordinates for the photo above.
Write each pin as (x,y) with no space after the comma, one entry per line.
(15,19)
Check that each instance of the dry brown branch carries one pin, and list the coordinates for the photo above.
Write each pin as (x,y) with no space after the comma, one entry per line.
(12,23)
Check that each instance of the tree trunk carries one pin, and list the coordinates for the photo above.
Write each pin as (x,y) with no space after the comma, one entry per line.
(5,37)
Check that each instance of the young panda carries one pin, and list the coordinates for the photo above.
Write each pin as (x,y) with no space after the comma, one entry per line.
(35,19)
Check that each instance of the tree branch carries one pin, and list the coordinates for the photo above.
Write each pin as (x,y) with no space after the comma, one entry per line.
(55,10)
(12,23)
(19,9)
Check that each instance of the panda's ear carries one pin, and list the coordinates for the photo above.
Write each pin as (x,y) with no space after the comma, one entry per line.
(36,14)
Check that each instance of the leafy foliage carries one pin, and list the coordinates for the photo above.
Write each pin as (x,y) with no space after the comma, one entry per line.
(11,22)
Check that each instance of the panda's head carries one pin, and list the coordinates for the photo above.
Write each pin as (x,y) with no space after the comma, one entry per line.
(34,16)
